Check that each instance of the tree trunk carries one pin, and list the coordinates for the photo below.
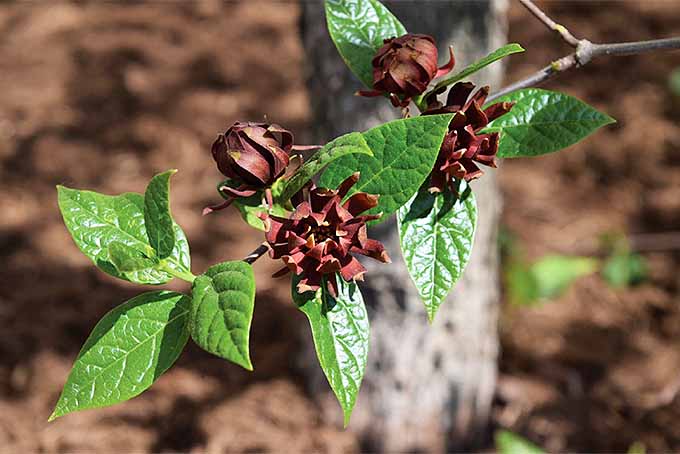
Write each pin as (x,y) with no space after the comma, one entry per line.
(427,387)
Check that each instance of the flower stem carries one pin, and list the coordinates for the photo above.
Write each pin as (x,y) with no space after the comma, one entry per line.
(257,253)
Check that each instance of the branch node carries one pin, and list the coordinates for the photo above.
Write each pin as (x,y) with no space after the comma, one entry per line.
(584,52)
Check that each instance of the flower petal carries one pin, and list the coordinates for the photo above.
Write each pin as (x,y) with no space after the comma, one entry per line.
(360,202)
(448,66)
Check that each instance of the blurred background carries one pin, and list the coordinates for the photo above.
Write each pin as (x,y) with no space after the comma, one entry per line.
(103,96)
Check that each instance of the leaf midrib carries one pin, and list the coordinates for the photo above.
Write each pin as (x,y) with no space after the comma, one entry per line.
(361,31)
(538,123)
(337,341)
(483,62)
(137,240)
(384,167)
(129,352)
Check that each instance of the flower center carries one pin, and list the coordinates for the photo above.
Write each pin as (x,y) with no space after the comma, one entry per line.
(324,232)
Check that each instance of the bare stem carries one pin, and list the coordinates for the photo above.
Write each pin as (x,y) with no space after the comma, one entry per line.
(553,69)
(665,241)
(635,47)
(585,52)
(257,253)
(551,24)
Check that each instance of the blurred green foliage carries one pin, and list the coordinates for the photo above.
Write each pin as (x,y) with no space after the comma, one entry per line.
(510,443)
(624,268)
(674,81)
(533,283)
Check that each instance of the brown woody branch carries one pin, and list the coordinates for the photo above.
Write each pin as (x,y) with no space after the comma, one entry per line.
(551,24)
(585,52)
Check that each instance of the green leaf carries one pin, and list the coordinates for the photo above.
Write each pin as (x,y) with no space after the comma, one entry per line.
(542,122)
(546,278)
(509,443)
(555,273)
(358,28)
(125,258)
(624,269)
(351,143)
(404,152)
(340,332)
(97,220)
(157,218)
(496,55)
(250,207)
(637,448)
(674,81)
(436,233)
(222,310)
(127,351)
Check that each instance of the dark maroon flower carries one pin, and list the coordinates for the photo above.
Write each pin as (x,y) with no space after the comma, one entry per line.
(403,68)
(321,235)
(463,147)
(252,155)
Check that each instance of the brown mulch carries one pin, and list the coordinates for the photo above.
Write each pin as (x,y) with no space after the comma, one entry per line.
(599,369)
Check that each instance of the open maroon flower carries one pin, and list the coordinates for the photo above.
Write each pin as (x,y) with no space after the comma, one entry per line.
(463,147)
(321,235)
(403,68)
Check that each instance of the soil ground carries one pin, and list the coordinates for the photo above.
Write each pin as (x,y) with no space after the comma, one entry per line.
(101,96)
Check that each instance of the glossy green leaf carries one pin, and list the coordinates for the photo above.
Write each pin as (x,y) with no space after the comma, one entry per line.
(125,258)
(358,28)
(494,56)
(542,122)
(510,443)
(340,332)
(404,152)
(436,233)
(97,220)
(157,219)
(351,143)
(127,351)
(222,310)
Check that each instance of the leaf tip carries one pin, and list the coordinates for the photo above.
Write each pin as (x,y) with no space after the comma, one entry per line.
(61,189)
(55,414)
(347,414)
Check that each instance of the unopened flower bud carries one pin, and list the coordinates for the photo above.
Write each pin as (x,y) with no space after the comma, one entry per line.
(253,155)
(403,67)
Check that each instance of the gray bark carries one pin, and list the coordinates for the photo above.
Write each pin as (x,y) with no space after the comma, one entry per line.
(427,387)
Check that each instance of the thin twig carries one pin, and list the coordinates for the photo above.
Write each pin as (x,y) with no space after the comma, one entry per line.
(553,69)
(636,242)
(585,52)
(651,242)
(636,47)
(257,253)
(551,24)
